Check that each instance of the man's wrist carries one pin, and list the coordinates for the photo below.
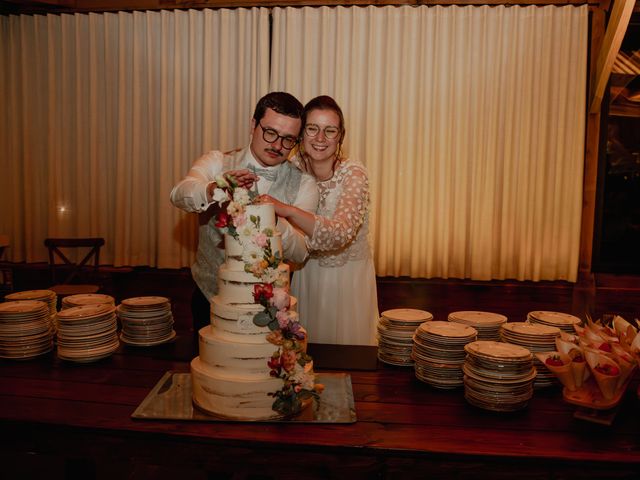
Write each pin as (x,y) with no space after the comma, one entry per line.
(211,186)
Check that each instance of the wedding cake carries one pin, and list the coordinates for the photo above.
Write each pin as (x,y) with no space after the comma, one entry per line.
(252,362)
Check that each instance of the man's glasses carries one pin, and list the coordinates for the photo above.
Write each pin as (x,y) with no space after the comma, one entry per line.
(311,129)
(270,136)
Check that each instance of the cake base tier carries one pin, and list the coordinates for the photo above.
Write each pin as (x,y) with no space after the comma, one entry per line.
(171,399)
(241,398)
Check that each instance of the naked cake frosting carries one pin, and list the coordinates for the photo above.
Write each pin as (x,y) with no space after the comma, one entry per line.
(252,362)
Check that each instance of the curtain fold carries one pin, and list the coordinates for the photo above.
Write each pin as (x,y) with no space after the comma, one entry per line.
(470,121)
(104,113)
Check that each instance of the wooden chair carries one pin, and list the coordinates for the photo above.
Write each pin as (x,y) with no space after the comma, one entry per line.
(6,272)
(73,270)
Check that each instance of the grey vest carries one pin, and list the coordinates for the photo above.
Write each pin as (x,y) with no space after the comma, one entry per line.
(210,256)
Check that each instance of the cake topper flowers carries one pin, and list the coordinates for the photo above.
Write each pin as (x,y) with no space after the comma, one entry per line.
(258,255)
(290,361)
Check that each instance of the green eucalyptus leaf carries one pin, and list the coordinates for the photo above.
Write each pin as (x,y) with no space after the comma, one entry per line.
(261,319)
(304,394)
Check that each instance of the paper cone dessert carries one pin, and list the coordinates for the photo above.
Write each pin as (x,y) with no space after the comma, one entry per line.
(606,372)
(560,365)
(568,337)
(564,346)
(626,362)
(578,361)
(621,327)
(592,336)
(635,344)
(579,366)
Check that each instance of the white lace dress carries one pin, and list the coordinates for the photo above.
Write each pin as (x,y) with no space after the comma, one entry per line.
(336,289)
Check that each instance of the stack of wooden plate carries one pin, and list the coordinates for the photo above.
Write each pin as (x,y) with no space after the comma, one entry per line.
(537,338)
(83,299)
(438,352)
(498,376)
(47,296)
(395,334)
(486,323)
(563,321)
(146,321)
(87,333)
(25,329)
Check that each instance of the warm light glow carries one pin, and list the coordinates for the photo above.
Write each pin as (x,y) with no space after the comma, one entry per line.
(63,210)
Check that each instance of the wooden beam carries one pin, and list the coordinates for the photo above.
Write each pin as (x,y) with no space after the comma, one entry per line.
(590,174)
(616,29)
(73,6)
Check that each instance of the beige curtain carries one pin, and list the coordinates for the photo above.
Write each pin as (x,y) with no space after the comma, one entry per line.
(471,123)
(470,120)
(103,113)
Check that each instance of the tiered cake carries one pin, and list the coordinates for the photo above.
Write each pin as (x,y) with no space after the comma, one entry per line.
(238,370)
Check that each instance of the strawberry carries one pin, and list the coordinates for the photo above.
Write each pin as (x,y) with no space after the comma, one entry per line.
(608,369)
(605,347)
(554,361)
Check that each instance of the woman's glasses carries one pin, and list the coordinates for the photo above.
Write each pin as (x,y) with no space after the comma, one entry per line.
(312,130)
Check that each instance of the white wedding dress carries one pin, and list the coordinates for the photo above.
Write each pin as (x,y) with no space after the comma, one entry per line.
(336,289)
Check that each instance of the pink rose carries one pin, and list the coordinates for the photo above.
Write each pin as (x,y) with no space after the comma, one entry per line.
(239,220)
(280,299)
(283,319)
(261,239)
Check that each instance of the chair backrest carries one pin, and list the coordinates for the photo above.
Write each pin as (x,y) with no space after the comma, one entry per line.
(56,244)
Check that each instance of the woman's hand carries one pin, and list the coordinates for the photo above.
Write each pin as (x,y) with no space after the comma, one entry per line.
(305,221)
(281,209)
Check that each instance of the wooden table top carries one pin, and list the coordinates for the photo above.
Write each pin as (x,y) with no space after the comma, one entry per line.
(51,409)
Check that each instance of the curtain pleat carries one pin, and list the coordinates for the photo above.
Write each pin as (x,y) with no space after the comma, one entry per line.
(104,113)
(470,121)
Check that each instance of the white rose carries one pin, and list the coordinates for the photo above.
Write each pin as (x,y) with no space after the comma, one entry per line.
(220,196)
(241,196)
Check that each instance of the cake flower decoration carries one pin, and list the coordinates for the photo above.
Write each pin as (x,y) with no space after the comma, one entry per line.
(290,361)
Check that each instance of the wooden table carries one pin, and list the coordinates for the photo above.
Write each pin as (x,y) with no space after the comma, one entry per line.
(64,420)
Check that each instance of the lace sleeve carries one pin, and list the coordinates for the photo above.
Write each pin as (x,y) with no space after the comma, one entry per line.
(336,232)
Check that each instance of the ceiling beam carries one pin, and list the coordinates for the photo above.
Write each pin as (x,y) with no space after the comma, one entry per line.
(616,28)
(80,6)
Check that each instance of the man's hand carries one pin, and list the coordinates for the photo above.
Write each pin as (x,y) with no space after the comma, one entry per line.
(244,178)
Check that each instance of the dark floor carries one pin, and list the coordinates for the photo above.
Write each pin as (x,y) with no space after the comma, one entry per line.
(609,294)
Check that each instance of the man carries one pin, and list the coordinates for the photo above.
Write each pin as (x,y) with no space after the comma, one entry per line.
(275,128)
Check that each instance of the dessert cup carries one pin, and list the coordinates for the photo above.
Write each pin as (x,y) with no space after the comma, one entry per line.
(563,372)
(605,371)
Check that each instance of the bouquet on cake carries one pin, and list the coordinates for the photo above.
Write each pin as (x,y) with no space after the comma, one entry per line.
(608,353)
(290,362)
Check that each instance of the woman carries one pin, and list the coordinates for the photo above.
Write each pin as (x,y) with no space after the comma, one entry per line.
(336,289)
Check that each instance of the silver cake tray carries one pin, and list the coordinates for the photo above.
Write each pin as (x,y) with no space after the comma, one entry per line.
(171,399)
